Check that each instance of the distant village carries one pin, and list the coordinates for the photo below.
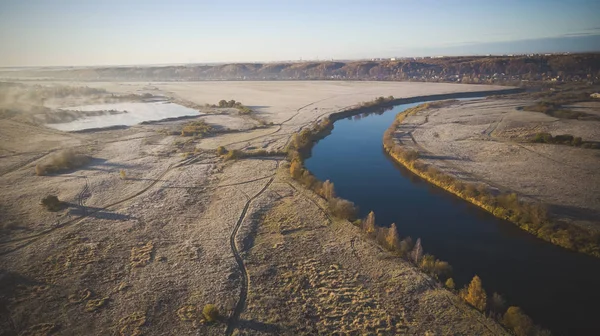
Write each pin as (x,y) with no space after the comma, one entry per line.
(487,69)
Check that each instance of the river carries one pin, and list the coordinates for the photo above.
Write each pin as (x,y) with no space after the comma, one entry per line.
(558,288)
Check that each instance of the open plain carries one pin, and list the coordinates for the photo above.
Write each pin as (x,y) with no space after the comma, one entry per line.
(156,225)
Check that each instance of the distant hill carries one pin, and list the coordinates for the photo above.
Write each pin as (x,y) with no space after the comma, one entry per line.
(465,69)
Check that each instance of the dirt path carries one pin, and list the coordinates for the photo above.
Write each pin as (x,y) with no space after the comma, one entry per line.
(30,239)
(241,304)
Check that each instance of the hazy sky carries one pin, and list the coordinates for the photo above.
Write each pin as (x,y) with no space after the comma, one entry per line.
(104,32)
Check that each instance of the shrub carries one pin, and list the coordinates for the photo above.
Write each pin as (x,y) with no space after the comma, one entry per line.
(221,150)
(232,155)
(52,203)
(564,139)
(210,313)
(309,180)
(123,174)
(342,208)
(497,303)
(369,224)
(198,128)
(233,104)
(450,284)
(406,245)
(470,190)
(441,269)
(61,161)
(427,263)
(328,190)
(515,319)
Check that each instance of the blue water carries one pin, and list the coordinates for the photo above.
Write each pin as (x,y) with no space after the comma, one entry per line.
(558,288)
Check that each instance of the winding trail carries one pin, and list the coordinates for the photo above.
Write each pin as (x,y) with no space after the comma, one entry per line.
(241,304)
(83,195)
(32,238)
(279,126)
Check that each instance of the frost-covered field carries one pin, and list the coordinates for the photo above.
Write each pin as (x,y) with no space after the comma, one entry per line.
(154,245)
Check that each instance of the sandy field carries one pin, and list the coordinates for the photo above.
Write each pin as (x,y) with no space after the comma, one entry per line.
(145,239)
(488,140)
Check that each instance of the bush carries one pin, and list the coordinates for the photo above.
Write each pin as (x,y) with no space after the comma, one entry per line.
(52,203)
(232,155)
(450,284)
(233,104)
(221,150)
(210,313)
(517,321)
(563,139)
(406,245)
(543,137)
(197,128)
(60,162)
(342,208)
(497,303)
(441,269)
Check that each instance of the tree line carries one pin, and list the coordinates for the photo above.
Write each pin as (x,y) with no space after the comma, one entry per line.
(466,69)
(529,216)
(232,104)
(389,238)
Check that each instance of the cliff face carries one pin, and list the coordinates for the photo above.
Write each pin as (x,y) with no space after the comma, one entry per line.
(493,69)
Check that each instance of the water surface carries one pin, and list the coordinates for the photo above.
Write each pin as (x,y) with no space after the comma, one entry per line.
(558,288)
(135,114)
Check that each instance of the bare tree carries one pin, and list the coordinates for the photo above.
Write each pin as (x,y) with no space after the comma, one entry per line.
(417,252)
(392,239)
(328,190)
(369,223)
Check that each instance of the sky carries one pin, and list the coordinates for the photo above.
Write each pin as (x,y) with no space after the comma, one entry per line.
(126,32)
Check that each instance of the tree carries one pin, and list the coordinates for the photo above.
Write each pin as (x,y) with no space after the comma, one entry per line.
(450,283)
(515,319)
(427,263)
(475,294)
(328,190)
(308,179)
(296,169)
(369,223)
(392,239)
(441,268)
(417,252)
(406,246)
(497,303)
(342,208)
(222,103)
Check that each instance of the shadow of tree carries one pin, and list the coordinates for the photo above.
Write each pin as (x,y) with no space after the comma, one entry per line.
(260,326)
(574,213)
(99,213)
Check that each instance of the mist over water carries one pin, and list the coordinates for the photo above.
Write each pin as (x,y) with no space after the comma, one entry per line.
(135,113)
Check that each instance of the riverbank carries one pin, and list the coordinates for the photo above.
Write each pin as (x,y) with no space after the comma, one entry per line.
(503,203)
(510,261)
(152,216)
